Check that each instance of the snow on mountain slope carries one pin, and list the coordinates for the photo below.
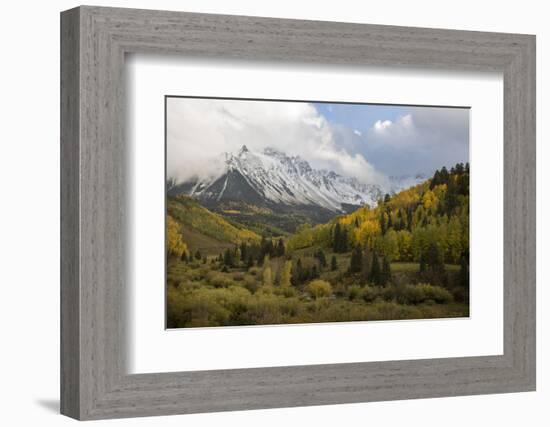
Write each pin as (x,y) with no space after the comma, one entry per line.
(275,178)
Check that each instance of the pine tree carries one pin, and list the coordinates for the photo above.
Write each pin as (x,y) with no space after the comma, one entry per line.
(244,252)
(314,273)
(375,273)
(386,271)
(422,267)
(464,270)
(383,223)
(320,255)
(344,241)
(280,247)
(451,197)
(434,258)
(436,180)
(298,273)
(184,256)
(444,175)
(228,258)
(333,263)
(356,262)
(198,254)
(337,238)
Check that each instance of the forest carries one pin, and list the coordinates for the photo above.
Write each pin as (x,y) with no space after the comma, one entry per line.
(405,258)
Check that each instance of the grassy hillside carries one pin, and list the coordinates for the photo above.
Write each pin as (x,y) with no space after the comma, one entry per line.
(204,230)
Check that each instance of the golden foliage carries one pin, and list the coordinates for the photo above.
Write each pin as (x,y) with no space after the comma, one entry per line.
(174,241)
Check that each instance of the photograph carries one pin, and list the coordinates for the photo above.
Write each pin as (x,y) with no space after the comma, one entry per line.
(286,212)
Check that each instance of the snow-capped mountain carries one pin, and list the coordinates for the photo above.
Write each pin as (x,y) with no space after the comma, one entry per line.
(273,178)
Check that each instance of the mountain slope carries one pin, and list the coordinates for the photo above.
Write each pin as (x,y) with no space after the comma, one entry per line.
(271,178)
(206,230)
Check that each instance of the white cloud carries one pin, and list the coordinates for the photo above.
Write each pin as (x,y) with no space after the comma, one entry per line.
(381,126)
(199,130)
(357,132)
(423,140)
(403,126)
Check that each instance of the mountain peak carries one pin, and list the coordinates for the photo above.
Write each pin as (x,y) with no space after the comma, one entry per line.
(243,149)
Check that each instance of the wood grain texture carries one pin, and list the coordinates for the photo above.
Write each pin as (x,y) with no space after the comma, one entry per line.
(94,232)
(70,315)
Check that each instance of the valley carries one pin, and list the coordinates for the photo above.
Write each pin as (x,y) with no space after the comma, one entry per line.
(283,244)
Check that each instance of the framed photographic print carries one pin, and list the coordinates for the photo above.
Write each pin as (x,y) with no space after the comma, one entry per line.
(262,213)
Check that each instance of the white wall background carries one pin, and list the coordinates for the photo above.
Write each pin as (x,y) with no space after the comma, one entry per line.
(29,213)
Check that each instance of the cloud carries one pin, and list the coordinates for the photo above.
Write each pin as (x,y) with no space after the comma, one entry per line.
(382,126)
(200,130)
(424,139)
(357,132)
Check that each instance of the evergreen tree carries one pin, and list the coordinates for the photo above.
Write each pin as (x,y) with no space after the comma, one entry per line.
(422,267)
(464,270)
(320,255)
(244,252)
(383,223)
(386,271)
(228,258)
(184,256)
(340,239)
(333,263)
(344,240)
(444,175)
(451,197)
(356,262)
(387,198)
(198,254)
(337,238)
(436,180)
(280,247)
(409,218)
(314,273)
(375,272)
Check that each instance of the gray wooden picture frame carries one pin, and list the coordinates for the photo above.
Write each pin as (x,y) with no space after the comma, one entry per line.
(94,41)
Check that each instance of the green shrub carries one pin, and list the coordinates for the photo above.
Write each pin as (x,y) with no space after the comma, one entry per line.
(353,292)
(369,293)
(285,291)
(319,288)
(219,280)
(438,294)
(250,283)
(238,276)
